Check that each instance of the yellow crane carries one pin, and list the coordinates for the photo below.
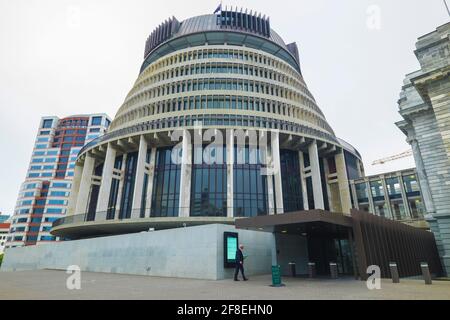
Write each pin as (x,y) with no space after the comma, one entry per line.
(404,154)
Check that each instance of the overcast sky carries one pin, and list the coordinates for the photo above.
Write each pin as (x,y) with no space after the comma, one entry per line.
(64,57)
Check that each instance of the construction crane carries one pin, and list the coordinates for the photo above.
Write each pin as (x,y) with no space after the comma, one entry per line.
(404,154)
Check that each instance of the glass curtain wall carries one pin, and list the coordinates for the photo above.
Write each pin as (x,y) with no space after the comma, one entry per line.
(250,185)
(209,182)
(291,182)
(166,185)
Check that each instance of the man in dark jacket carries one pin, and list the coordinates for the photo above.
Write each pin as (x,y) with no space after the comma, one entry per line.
(239,264)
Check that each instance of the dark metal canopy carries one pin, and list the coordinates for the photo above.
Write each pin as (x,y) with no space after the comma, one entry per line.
(311,221)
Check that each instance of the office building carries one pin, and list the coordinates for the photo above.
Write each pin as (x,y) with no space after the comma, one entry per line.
(45,192)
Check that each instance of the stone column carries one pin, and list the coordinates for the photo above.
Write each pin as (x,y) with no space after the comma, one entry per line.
(121,182)
(423,179)
(85,184)
(370,197)
(151,176)
(139,180)
(315,176)
(344,188)
(185,179)
(404,196)
(303,180)
(387,201)
(107,176)
(354,194)
(275,147)
(230,171)
(72,203)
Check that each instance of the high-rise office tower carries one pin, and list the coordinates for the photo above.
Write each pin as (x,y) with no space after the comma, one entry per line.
(44,194)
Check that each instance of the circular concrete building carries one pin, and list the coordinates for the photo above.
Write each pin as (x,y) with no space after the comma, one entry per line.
(219,125)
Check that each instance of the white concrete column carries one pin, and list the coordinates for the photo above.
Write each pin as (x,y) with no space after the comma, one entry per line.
(422,177)
(107,176)
(151,176)
(275,149)
(230,173)
(404,197)
(72,203)
(344,188)
(139,180)
(386,197)
(370,197)
(303,180)
(355,196)
(85,184)
(185,179)
(121,182)
(315,176)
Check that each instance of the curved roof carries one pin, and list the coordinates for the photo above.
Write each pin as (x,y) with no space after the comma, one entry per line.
(208,22)
(173,35)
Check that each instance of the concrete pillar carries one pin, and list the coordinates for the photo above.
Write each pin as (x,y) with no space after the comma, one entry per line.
(119,193)
(422,177)
(72,203)
(151,176)
(275,149)
(230,176)
(370,198)
(303,180)
(344,190)
(404,197)
(85,184)
(139,180)
(107,176)
(315,176)
(354,195)
(386,198)
(185,179)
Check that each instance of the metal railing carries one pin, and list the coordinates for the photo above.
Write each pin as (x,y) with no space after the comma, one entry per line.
(167,212)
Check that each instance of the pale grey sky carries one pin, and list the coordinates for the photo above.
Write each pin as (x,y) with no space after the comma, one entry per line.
(56,62)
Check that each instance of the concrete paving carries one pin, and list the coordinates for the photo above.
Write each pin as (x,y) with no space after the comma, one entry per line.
(51,284)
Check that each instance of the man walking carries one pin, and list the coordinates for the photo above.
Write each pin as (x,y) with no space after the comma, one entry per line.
(239,263)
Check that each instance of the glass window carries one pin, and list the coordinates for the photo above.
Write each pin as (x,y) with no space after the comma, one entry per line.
(209,178)
(291,182)
(96,121)
(411,185)
(47,123)
(394,188)
(250,184)
(361,192)
(166,184)
(376,187)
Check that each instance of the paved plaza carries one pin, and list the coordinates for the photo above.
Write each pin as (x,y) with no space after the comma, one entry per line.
(51,284)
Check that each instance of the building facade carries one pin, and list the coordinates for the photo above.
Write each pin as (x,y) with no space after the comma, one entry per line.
(205,83)
(393,195)
(4,230)
(425,107)
(45,192)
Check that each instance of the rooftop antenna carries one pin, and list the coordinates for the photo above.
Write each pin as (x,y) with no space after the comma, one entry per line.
(446,6)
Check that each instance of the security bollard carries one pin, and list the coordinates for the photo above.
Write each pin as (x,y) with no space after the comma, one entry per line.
(333,270)
(426,272)
(293,271)
(312,269)
(394,272)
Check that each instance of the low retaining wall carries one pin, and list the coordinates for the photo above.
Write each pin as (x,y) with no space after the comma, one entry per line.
(192,252)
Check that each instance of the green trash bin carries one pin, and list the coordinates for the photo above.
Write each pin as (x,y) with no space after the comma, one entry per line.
(276,276)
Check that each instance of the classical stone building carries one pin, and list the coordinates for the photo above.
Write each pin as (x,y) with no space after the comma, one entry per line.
(425,106)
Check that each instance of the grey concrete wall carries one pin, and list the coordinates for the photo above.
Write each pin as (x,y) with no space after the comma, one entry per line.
(292,248)
(193,252)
